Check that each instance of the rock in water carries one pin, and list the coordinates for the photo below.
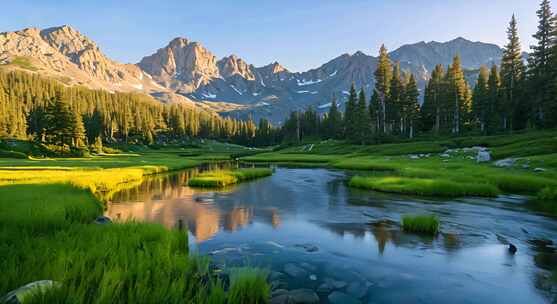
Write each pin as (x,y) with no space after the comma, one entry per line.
(103,220)
(512,249)
(25,292)
(356,289)
(295,271)
(306,296)
(338,297)
(483,156)
(307,247)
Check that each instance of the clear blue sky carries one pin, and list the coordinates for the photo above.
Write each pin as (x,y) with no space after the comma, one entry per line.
(300,34)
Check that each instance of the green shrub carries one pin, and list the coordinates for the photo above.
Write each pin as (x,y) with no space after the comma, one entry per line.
(249,285)
(428,224)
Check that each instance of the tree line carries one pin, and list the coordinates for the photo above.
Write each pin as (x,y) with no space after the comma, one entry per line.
(32,107)
(515,95)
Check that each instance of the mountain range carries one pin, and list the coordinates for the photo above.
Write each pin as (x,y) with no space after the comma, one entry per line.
(184,71)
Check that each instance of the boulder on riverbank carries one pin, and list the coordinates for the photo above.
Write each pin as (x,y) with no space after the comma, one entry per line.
(505,163)
(25,292)
(483,156)
(103,220)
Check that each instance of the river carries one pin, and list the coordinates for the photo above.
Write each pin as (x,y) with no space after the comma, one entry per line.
(314,232)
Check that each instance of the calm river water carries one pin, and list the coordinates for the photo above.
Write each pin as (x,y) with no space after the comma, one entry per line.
(314,232)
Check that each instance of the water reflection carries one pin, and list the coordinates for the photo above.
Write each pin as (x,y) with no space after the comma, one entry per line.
(166,199)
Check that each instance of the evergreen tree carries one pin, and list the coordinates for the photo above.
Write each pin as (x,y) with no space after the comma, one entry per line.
(539,69)
(411,106)
(457,96)
(512,69)
(480,99)
(493,101)
(350,121)
(363,122)
(383,75)
(334,121)
(394,101)
(434,101)
(61,120)
(374,117)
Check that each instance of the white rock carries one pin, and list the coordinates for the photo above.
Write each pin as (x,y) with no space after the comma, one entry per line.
(539,170)
(445,155)
(505,163)
(483,156)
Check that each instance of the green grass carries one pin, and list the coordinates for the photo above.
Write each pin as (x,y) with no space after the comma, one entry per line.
(427,224)
(47,206)
(223,178)
(249,285)
(46,233)
(422,186)
(433,175)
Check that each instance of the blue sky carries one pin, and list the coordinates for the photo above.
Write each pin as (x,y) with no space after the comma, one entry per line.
(299,34)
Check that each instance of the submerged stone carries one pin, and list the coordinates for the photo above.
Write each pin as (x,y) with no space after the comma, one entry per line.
(307,247)
(357,289)
(303,296)
(294,271)
(338,297)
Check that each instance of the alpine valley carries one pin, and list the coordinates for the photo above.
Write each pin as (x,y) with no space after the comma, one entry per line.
(186,72)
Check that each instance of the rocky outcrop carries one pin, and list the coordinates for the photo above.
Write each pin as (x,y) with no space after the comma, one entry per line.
(181,65)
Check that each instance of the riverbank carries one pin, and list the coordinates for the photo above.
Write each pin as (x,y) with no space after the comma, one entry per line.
(527,164)
(47,210)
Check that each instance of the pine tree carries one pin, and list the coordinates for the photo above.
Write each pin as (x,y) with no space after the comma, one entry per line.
(61,120)
(411,106)
(493,106)
(457,96)
(334,121)
(512,69)
(374,117)
(363,123)
(539,69)
(433,106)
(77,130)
(383,75)
(480,99)
(394,100)
(350,114)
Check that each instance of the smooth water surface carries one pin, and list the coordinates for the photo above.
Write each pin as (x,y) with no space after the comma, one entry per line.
(309,228)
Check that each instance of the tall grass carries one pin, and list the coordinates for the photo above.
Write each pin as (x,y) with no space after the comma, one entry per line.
(427,224)
(46,233)
(422,186)
(249,285)
(223,178)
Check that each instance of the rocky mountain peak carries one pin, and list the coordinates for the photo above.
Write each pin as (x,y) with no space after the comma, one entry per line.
(232,65)
(182,65)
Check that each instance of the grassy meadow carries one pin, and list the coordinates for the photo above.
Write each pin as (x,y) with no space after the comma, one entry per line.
(47,206)
(419,168)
